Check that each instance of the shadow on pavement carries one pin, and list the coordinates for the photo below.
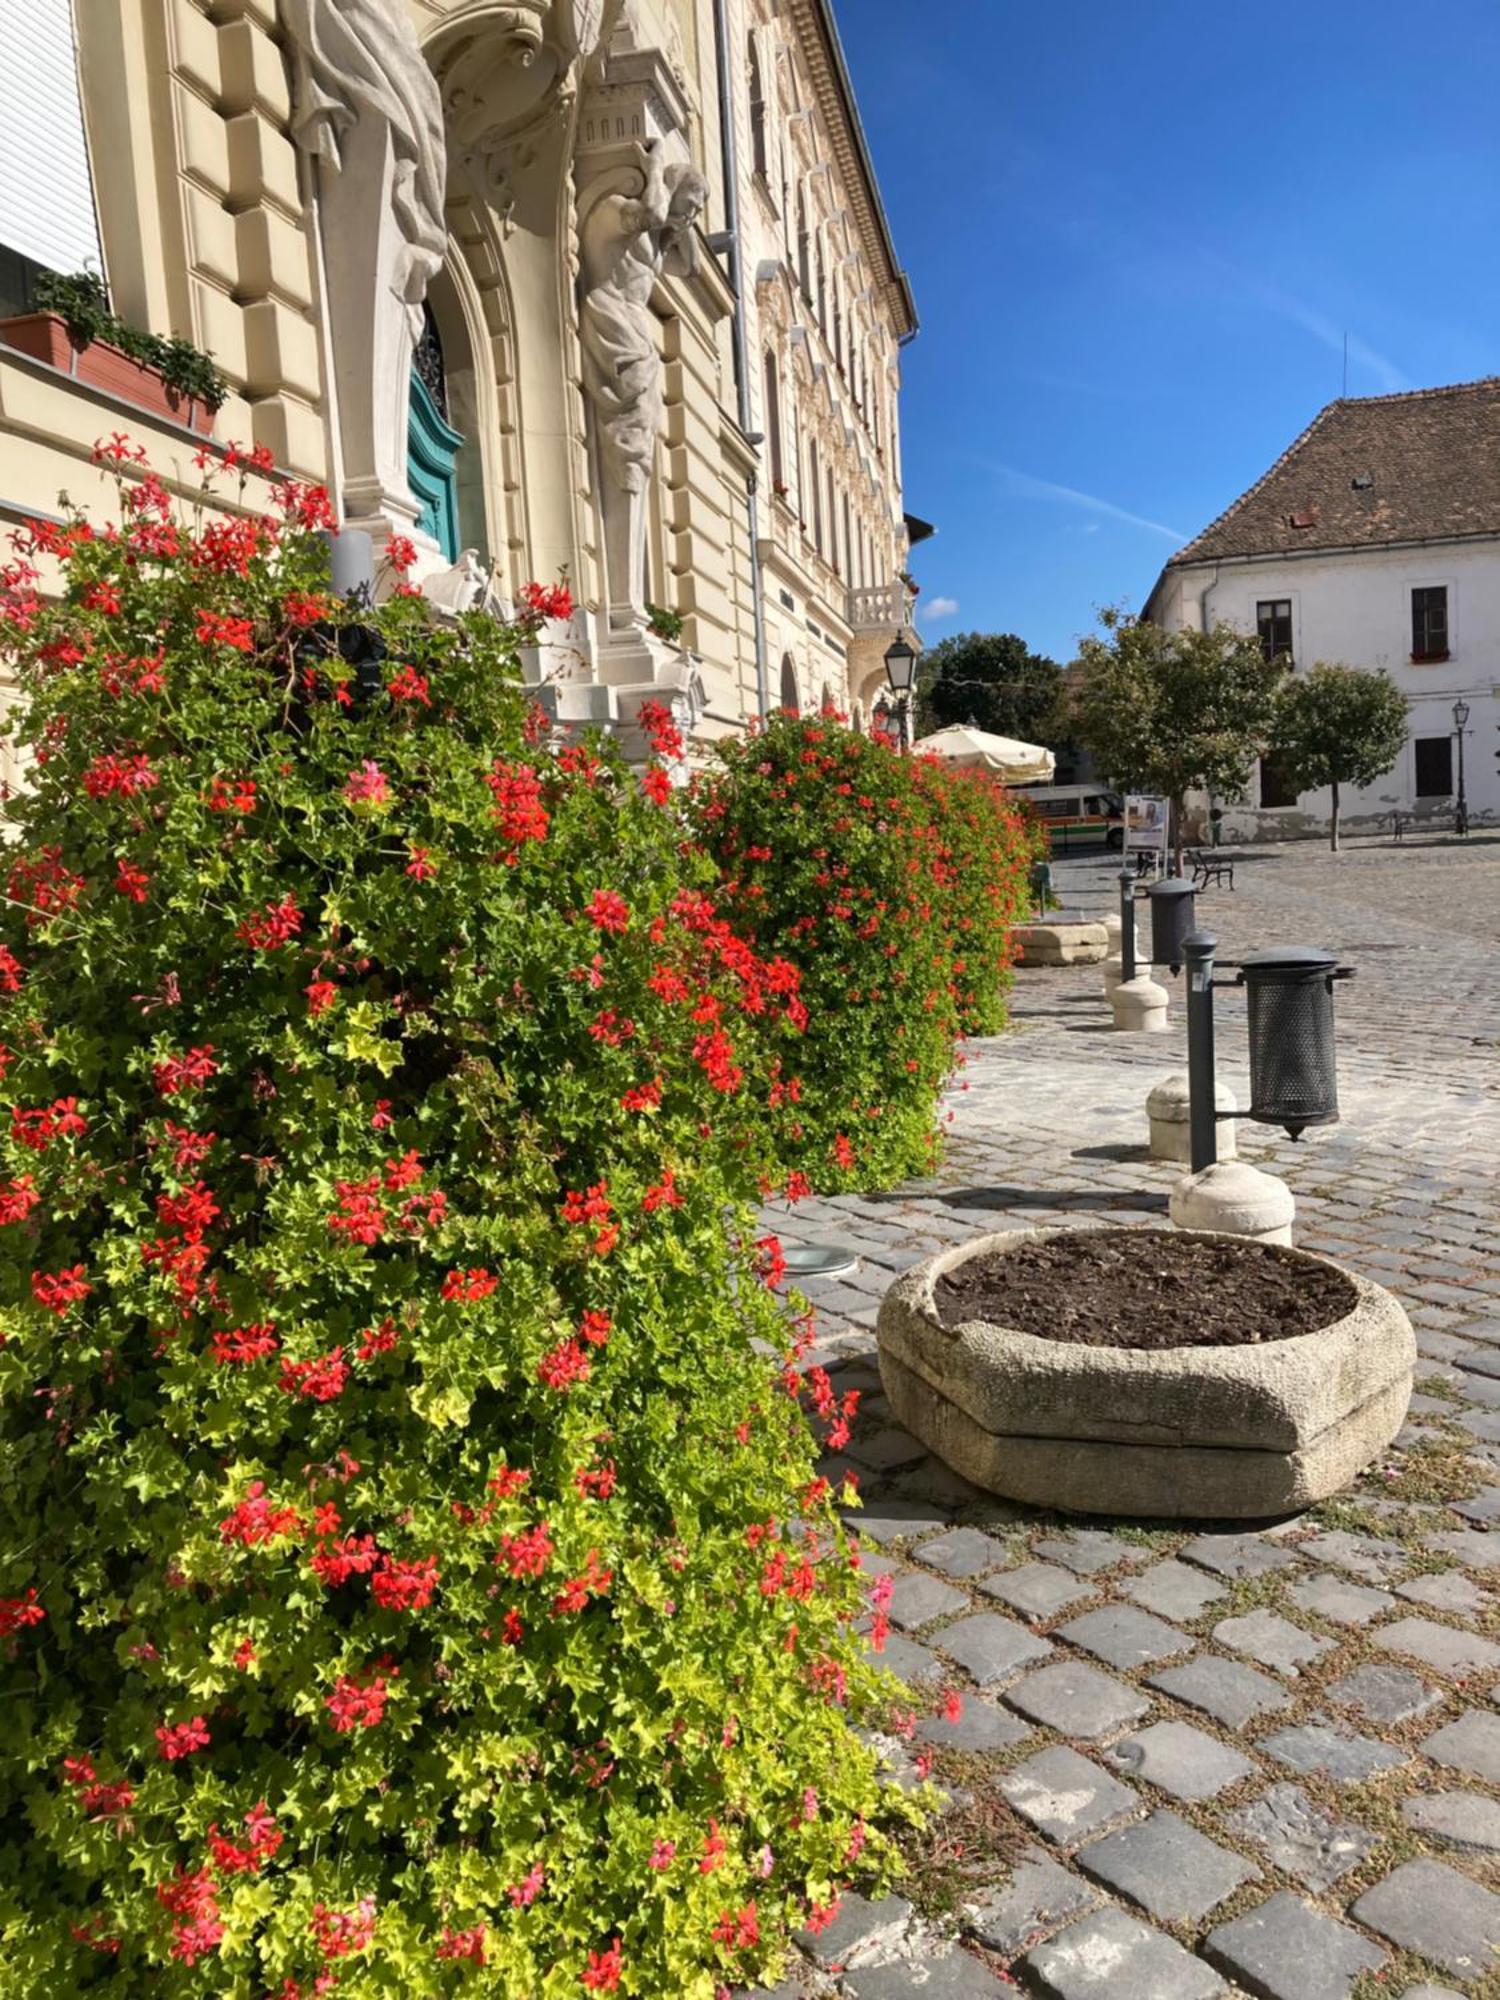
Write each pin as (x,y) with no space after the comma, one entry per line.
(1062,1198)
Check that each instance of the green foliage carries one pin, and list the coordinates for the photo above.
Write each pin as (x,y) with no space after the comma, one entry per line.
(1338,725)
(395,1578)
(992,679)
(664,623)
(1172,712)
(888,881)
(83,303)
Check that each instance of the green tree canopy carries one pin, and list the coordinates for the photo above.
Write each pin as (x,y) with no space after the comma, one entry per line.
(1338,725)
(1172,712)
(992,679)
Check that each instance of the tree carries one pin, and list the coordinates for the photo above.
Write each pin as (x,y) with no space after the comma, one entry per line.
(1172,712)
(1338,725)
(995,680)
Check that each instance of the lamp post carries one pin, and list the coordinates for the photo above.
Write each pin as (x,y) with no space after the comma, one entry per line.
(1460,725)
(901,672)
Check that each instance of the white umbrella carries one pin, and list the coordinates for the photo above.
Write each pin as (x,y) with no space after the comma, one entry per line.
(1015,763)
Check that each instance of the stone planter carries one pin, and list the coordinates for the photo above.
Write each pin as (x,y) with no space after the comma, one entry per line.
(45,337)
(1224,1433)
(1060,941)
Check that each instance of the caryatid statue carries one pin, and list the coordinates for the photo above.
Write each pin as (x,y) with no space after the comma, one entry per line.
(635,225)
(367,109)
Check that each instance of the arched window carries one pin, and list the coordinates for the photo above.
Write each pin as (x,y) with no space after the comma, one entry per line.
(848,545)
(432,444)
(757,114)
(838,324)
(822,292)
(789,697)
(833,523)
(804,268)
(817,494)
(773,422)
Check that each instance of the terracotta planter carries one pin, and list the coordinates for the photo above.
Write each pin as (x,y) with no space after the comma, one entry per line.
(45,337)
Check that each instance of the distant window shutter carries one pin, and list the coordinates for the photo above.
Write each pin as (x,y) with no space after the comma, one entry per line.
(46,194)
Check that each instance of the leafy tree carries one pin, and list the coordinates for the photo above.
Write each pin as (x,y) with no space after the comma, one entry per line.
(1172,712)
(1338,725)
(992,679)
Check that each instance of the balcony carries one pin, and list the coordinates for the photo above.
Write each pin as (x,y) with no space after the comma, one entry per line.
(883,607)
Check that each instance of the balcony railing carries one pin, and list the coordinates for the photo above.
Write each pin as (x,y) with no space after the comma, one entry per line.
(882,607)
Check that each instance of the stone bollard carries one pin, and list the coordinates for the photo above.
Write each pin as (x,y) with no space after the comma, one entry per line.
(1111,973)
(1234,1199)
(1139,1006)
(1168,1110)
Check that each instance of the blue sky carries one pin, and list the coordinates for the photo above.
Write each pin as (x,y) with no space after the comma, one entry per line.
(1137,234)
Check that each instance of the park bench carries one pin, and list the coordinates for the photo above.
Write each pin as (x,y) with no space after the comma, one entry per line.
(1208,867)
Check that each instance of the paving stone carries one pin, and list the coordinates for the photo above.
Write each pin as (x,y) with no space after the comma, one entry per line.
(1038,1896)
(1173,1590)
(963,1552)
(1326,1749)
(1077,1700)
(1181,1760)
(1445,1590)
(1275,1642)
(886,1449)
(1090,1550)
(1471,1548)
(886,1521)
(1465,1820)
(1368,1557)
(956,1975)
(1431,1909)
(1037,1590)
(1113,1957)
(861,1929)
(1379,1693)
(1237,1556)
(1230,1693)
(981,1726)
(1431,1993)
(1447,1651)
(1174,1872)
(1300,1838)
(992,1648)
(1065,1796)
(916,1600)
(1339,1601)
(1481,1508)
(1126,1636)
(1470,1744)
(905,1659)
(1285,1950)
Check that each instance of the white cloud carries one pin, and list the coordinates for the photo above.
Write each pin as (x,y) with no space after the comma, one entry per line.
(1048,489)
(938,607)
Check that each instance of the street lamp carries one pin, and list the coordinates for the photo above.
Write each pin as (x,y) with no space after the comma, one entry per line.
(1460,724)
(901,672)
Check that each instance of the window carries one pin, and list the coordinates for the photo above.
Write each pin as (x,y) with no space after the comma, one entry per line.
(1434,766)
(47,220)
(822,291)
(1273,621)
(1276,786)
(804,267)
(1429,622)
(773,423)
(757,113)
(833,522)
(817,494)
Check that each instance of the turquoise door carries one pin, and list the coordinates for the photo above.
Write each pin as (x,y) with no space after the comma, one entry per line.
(432,447)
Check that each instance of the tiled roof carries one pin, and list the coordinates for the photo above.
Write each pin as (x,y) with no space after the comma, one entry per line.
(1370,470)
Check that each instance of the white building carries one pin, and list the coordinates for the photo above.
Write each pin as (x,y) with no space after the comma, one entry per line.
(1374,540)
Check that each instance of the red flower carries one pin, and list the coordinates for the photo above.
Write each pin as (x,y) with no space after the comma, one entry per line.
(405,1586)
(110,775)
(595,1327)
(356,1705)
(193,1901)
(238,633)
(643,1097)
(662,732)
(321,995)
(602,1973)
(181,1073)
(563,1365)
(241,800)
(16,1613)
(519,812)
(131,881)
(421,864)
(401,552)
(463,1945)
(320,1379)
(378,1340)
(467,1287)
(242,1344)
(662,1194)
(340,1932)
(608,910)
(406,684)
(269,929)
(181,1739)
(528,1553)
(57,1290)
(359,1218)
(656,784)
(265,1838)
(546,601)
(577,1591)
(256,1520)
(18,1199)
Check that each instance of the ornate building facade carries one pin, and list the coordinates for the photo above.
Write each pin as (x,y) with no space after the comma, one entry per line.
(594,287)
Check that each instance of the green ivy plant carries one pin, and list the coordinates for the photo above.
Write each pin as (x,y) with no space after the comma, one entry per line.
(414,1573)
(82,302)
(664,623)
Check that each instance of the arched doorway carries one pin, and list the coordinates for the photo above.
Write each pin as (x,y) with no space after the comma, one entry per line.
(789,697)
(432,443)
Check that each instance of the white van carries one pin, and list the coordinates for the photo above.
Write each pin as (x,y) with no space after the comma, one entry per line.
(1077,813)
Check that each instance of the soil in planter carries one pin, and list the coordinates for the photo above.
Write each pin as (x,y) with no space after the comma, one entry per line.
(1146,1288)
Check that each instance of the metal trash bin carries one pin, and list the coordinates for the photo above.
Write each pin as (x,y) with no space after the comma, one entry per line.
(1041,886)
(1172,919)
(1293,1078)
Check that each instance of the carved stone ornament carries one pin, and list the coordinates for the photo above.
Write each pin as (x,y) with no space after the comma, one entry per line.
(366,109)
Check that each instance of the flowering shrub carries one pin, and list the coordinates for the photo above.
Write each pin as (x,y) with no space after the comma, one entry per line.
(395,1590)
(888,882)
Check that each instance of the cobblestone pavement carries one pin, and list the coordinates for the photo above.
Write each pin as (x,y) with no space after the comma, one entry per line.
(1197,1759)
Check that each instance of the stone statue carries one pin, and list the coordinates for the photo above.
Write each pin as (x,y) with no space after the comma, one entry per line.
(635,225)
(466,586)
(366,108)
